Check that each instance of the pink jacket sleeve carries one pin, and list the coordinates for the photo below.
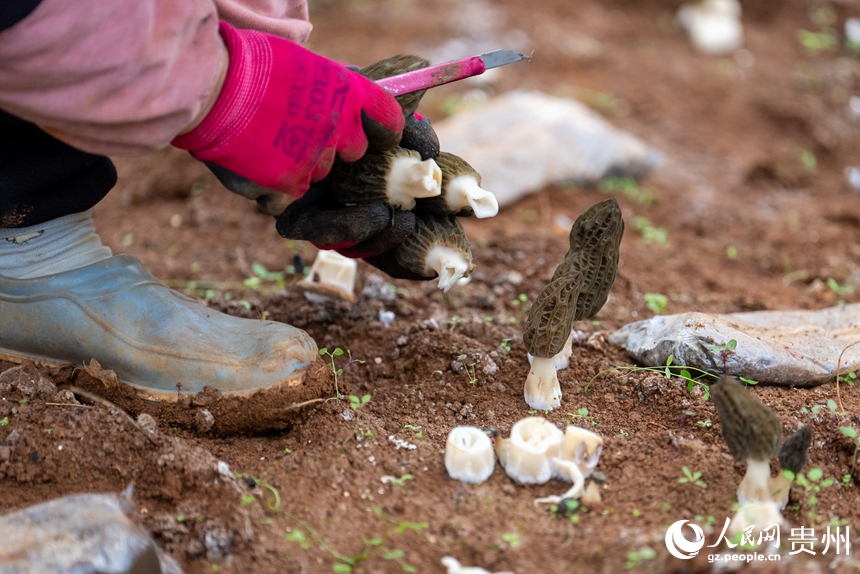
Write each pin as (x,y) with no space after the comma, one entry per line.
(124,77)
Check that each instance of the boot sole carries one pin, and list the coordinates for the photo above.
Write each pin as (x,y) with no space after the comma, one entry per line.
(145,393)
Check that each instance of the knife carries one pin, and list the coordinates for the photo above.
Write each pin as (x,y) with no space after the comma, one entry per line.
(448,72)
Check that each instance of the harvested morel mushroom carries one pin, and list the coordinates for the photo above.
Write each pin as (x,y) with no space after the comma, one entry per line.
(545,332)
(469,455)
(578,456)
(393,66)
(752,432)
(437,248)
(461,191)
(595,240)
(394,177)
(331,277)
(792,457)
(419,135)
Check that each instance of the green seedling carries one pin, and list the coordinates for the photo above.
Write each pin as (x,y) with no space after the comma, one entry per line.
(48,431)
(180,518)
(245,304)
(623,432)
(128,240)
(247,499)
(657,303)
(456,322)
(512,538)
(817,41)
(807,158)
(848,379)
(470,369)
(22,401)
(705,424)
(852,434)
(708,520)
(692,478)
(338,372)
(811,484)
(4,421)
(636,558)
(415,429)
(651,234)
(505,345)
(669,370)
(356,403)
(840,290)
(402,480)
(402,525)
(628,187)
(732,252)
(288,451)
(582,413)
(521,302)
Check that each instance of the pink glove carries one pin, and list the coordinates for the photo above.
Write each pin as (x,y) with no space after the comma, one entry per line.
(284,113)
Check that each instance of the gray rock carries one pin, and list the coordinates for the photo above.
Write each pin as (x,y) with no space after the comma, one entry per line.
(522,141)
(27,380)
(82,534)
(780,347)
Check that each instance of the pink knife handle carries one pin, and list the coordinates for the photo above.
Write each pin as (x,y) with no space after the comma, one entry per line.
(433,76)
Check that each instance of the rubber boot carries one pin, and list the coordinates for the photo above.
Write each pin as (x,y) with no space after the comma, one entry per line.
(151,336)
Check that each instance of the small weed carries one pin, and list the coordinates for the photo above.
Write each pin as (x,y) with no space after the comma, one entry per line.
(582,413)
(512,538)
(811,484)
(817,41)
(505,345)
(22,401)
(807,158)
(521,302)
(247,499)
(629,187)
(356,403)
(298,536)
(48,431)
(708,520)
(4,421)
(128,239)
(692,478)
(402,480)
(623,432)
(288,451)
(732,252)
(651,234)
(456,322)
(180,518)
(669,370)
(338,372)
(705,424)
(636,558)
(839,290)
(656,303)
(470,369)
(416,430)
(366,434)
(848,379)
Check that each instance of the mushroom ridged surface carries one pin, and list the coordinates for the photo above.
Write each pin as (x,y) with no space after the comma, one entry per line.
(595,241)
(550,319)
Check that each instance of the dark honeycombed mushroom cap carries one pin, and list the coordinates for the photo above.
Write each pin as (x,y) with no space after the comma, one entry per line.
(419,135)
(452,166)
(793,455)
(595,241)
(365,180)
(431,231)
(751,428)
(551,316)
(398,65)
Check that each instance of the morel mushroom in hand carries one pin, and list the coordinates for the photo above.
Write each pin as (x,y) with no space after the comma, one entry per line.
(752,432)
(394,177)
(461,190)
(544,335)
(437,248)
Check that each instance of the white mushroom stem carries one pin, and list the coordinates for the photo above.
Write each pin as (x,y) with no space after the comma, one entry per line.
(754,486)
(576,478)
(335,273)
(562,360)
(762,515)
(583,447)
(409,177)
(448,263)
(469,455)
(542,391)
(463,191)
(454,567)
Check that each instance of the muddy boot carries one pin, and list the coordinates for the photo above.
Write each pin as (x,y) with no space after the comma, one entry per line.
(155,339)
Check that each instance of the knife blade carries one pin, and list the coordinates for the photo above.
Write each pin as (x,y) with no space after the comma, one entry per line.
(448,72)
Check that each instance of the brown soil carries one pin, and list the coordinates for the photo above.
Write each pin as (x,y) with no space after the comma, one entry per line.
(733,136)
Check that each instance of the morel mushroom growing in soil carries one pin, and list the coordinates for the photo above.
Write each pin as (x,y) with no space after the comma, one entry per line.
(752,432)
(544,335)
(395,177)
(461,190)
(469,455)
(792,458)
(437,248)
(578,289)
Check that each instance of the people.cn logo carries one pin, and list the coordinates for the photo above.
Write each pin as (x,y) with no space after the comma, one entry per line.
(679,546)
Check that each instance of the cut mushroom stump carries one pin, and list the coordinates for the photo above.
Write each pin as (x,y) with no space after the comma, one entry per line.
(469,455)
